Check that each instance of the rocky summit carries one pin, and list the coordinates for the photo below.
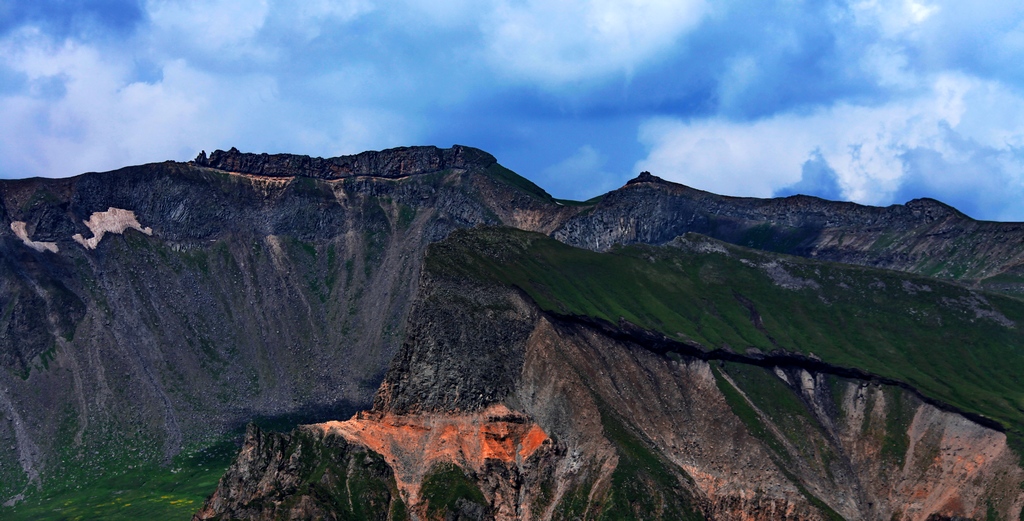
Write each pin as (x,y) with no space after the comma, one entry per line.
(420,333)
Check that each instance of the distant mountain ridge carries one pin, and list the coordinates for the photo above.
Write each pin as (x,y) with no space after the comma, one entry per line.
(922,236)
(392,163)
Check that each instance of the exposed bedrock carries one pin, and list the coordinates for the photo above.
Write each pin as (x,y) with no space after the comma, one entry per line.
(629,432)
(160,306)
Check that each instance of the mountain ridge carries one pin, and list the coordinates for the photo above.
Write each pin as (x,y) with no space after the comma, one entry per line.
(259,292)
(801,225)
(391,163)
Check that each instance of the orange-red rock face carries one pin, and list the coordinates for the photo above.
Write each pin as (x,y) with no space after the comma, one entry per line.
(414,443)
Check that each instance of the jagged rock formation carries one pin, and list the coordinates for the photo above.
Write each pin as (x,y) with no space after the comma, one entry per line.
(389,164)
(503,449)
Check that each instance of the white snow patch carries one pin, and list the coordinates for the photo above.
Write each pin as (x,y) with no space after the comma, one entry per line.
(114,220)
(19,229)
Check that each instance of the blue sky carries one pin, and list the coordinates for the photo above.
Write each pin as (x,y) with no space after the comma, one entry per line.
(872,101)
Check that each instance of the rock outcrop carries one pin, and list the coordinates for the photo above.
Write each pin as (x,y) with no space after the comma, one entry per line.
(390,164)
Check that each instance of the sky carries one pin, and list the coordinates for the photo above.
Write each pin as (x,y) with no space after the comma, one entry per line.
(872,101)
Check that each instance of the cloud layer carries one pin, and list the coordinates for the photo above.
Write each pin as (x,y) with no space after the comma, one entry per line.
(908,147)
(869,100)
(933,107)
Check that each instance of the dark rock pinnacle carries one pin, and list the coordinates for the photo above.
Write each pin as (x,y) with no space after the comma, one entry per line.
(645,177)
(392,163)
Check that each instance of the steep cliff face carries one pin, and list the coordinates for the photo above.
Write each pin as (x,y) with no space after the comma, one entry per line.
(563,417)
(157,307)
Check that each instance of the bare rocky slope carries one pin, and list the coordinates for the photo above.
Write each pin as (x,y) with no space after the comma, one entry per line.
(155,308)
(549,416)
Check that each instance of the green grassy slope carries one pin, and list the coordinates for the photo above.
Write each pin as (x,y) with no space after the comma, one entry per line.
(957,346)
(131,492)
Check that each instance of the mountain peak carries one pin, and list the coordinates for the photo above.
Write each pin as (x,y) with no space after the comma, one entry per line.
(931,206)
(646,177)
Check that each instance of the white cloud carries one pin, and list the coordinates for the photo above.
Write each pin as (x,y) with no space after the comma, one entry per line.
(937,36)
(308,18)
(351,130)
(866,85)
(101,119)
(84,106)
(461,14)
(888,66)
(330,10)
(557,42)
(893,17)
(235,29)
(218,25)
(867,146)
